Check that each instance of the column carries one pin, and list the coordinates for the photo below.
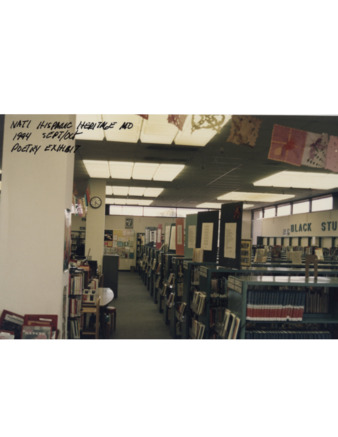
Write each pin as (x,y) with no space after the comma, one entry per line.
(37,181)
(95,222)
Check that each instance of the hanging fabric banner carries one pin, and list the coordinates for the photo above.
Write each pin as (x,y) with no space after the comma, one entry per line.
(287,145)
(244,130)
(332,154)
(315,150)
(177,120)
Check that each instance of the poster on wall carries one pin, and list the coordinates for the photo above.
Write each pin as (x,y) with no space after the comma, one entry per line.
(230,240)
(180,236)
(172,238)
(206,234)
(159,237)
(231,234)
(167,235)
(190,235)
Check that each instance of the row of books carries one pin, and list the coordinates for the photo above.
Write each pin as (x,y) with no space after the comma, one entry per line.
(288,335)
(317,301)
(198,302)
(275,305)
(76,284)
(197,329)
(74,327)
(180,313)
(75,307)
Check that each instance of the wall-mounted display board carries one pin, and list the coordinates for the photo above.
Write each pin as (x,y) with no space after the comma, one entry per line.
(231,235)
(119,242)
(172,238)
(190,235)
(180,236)
(206,234)
(159,237)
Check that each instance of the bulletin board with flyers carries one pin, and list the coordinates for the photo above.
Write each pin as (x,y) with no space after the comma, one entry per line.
(120,242)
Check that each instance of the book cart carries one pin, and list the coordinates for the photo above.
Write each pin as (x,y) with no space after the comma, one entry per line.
(284,307)
(76,287)
(177,307)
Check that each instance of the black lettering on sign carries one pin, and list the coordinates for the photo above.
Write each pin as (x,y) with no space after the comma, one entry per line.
(22,136)
(126,125)
(20,123)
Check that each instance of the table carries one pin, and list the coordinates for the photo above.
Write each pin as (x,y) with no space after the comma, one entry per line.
(106,296)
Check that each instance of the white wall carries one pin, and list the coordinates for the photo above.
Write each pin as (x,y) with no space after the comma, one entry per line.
(36,190)
(317,224)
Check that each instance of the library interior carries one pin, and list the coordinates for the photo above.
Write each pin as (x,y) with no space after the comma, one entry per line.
(166,226)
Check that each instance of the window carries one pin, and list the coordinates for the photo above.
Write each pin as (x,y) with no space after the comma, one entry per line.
(322,203)
(301,207)
(125,210)
(159,212)
(283,210)
(270,212)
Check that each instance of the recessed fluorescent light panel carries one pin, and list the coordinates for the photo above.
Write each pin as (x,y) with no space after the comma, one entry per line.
(126,128)
(152,192)
(298,179)
(157,130)
(144,171)
(209,205)
(168,172)
(133,191)
(133,170)
(254,197)
(97,169)
(120,169)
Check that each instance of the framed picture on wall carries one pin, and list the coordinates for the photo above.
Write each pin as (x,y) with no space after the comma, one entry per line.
(129,224)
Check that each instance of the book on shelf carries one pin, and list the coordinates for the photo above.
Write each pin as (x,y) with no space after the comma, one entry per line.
(170,300)
(198,302)
(197,329)
(6,335)
(275,305)
(10,321)
(232,323)
(49,320)
(236,327)
(36,332)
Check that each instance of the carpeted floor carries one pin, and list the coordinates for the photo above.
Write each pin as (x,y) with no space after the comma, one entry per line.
(137,314)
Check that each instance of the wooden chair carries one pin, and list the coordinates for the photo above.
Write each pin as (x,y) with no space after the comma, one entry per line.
(111,312)
(311,259)
(92,309)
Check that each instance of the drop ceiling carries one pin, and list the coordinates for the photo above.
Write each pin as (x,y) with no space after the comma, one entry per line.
(211,171)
